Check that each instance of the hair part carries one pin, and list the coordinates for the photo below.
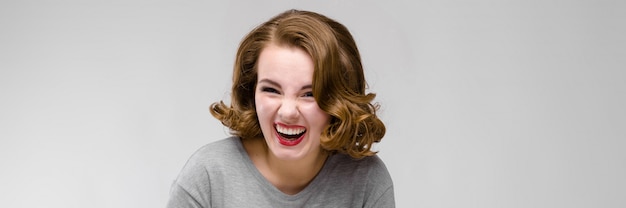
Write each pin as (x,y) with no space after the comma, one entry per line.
(338,82)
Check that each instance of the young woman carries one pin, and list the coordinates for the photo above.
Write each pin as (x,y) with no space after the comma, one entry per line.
(302,124)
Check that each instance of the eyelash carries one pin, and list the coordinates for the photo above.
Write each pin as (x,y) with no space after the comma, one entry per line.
(269,89)
(272,90)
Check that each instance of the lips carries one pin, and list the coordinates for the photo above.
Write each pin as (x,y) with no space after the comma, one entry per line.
(289,135)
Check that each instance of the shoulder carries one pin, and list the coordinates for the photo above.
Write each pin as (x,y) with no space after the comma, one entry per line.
(369,171)
(362,182)
(372,166)
(215,154)
(211,157)
(203,169)
(379,185)
(218,149)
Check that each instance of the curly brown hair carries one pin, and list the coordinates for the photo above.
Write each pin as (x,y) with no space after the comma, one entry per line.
(338,82)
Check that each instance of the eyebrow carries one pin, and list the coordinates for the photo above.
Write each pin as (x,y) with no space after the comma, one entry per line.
(272,82)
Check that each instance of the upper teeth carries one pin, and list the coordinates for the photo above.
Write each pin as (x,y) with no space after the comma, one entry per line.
(289,131)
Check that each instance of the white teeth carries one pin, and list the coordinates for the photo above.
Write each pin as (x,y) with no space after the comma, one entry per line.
(289,131)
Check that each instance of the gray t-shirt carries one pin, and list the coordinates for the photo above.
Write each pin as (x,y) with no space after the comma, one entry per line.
(221,174)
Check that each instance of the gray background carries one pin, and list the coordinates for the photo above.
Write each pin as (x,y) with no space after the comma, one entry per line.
(487,103)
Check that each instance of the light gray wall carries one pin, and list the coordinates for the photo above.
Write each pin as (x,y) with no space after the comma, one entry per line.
(487,103)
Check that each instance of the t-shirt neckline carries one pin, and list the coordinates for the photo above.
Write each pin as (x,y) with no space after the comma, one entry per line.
(270,187)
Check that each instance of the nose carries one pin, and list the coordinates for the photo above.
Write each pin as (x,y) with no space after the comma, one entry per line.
(288,110)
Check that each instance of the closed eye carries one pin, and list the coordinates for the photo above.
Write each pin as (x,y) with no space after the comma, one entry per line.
(270,90)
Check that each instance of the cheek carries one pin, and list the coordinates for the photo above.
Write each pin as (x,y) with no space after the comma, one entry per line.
(260,102)
(259,105)
(263,115)
(264,106)
(317,116)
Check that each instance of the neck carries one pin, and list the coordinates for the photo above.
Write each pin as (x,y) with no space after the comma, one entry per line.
(303,170)
(289,176)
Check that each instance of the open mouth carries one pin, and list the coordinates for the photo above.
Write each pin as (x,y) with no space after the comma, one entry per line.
(290,135)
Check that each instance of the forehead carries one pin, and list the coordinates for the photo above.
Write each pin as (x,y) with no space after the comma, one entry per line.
(285,62)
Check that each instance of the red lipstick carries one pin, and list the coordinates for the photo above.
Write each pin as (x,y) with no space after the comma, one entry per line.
(288,141)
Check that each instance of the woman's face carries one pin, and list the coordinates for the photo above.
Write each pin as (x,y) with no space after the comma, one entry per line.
(290,119)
